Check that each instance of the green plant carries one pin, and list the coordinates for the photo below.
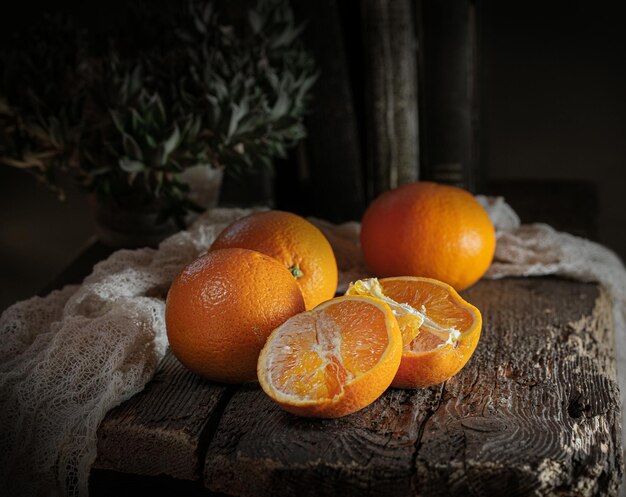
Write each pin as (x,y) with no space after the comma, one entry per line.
(252,89)
(145,145)
(41,100)
(125,122)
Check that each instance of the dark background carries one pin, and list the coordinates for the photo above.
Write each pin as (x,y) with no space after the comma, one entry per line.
(553,106)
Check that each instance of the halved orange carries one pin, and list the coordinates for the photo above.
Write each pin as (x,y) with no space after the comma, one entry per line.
(332,360)
(440,330)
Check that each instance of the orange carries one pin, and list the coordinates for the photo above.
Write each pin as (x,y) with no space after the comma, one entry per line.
(332,360)
(221,308)
(295,242)
(431,230)
(440,330)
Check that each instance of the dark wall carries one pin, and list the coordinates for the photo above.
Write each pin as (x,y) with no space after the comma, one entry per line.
(554,99)
(554,106)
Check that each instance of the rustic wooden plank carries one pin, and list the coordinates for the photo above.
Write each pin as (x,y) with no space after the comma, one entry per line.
(260,450)
(536,411)
(390,44)
(162,429)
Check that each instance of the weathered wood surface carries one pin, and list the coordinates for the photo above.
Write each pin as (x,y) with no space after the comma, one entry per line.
(271,453)
(535,412)
(390,45)
(161,429)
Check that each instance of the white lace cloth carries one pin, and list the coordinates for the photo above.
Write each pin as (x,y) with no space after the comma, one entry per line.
(68,358)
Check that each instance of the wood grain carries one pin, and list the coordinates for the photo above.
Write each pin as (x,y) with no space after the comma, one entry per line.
(535,412)
(390,45)
(161,429)
(260,450)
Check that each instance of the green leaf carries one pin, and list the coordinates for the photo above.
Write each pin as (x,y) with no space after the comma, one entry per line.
(135,83)
(207,13)
(173,141)
(158,175)
(131,166)
(287,36)
(256,21)
(280,150)
(131,147)
(151,141)
(137,120)
(220,88)
(237,113)
(200,25)
(273,79)
(281,107)
(194,129)
(116,121)
(306,86)
(159,105)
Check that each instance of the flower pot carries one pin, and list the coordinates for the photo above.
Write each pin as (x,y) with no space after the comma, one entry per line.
(205,184)
(130,222)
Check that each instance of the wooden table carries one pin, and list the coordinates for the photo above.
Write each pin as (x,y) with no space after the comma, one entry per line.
(535,412)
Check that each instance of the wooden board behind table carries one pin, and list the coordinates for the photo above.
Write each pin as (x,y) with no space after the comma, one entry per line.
(535,412)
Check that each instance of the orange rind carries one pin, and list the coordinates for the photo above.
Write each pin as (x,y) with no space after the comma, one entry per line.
(440,329)
(333,360)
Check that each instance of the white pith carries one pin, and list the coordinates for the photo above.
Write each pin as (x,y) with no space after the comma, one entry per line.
(327,347)
(372,287)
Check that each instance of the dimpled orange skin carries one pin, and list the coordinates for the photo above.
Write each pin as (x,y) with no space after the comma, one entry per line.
(222,307)
(292,240)
(430,230)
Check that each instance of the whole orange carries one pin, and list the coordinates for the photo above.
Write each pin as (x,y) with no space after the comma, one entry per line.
(295,242)
(429,230)
(222,307)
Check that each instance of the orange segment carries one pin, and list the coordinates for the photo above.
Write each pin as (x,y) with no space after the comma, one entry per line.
(448,327)
(408,319)
(332,360)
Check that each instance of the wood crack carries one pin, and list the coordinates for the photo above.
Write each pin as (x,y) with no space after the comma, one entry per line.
(420,432)
(546,424)
(210,428)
